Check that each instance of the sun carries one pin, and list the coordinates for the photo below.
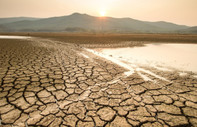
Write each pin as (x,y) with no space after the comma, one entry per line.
(102,13)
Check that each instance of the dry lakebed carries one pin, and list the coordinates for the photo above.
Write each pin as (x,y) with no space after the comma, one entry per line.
(47,82)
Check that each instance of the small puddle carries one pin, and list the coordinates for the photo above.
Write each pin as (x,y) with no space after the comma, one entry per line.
(13,37)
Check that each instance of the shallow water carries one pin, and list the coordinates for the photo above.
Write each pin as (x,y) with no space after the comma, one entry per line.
(13,37)
(161,56)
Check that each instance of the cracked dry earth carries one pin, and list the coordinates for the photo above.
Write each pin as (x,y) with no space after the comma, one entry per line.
(49,83)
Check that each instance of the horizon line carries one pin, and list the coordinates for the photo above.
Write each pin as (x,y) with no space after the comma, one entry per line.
(97,17)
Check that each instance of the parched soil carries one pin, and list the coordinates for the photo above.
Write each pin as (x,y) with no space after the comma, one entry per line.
(53,83)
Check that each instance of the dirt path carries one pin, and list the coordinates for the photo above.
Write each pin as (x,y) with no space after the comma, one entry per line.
(49,83)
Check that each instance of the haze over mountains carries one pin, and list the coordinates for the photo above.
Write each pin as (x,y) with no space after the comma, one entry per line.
(85,23)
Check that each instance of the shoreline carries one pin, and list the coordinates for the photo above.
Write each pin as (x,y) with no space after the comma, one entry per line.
(178,56)
(136,67)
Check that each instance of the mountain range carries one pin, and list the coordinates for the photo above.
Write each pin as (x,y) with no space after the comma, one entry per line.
(77,22)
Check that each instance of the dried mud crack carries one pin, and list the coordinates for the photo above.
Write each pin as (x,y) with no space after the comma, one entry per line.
(50,83)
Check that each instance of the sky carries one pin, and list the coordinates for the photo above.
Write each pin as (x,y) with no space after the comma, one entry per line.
(182,12)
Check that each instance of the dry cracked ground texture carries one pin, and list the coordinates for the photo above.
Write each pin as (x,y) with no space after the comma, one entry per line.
(48,83)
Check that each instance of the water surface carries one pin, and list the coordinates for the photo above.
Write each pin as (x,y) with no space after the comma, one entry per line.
(177,56)
(13,37)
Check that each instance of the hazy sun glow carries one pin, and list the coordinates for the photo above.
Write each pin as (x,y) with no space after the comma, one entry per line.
(178,11)
(102,13)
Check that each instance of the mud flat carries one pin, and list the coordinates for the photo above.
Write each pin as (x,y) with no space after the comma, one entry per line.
(54,83)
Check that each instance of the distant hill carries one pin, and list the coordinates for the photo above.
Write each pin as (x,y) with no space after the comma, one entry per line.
(85,23)
(167,26)
(16,19)
(189,30)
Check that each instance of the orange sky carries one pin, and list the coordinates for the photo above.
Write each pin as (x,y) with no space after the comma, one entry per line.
(176,11)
